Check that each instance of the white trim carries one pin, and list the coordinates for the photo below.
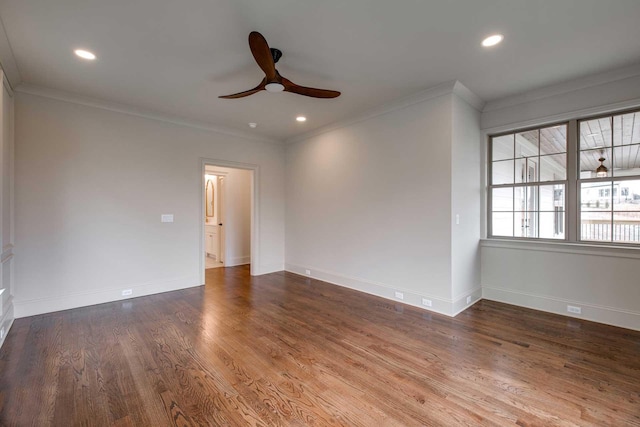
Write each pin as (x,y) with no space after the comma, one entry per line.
(135,111)
(562,88)
(593,312)
(563,117)
(268,268)
(471,98)
(234,262)
(6,84)
(216,173)
(459,304)
(255,211)
(6,320)
(398,104)
(445,306)
(563,247)
(6,256)
(37,306)
(8,60)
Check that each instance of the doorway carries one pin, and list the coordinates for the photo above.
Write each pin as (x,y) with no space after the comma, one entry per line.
(228,232)
(214,233)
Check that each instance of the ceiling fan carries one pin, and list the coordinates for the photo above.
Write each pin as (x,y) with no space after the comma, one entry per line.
(273,82)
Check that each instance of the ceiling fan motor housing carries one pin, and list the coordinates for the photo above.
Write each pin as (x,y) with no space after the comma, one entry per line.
(276,54)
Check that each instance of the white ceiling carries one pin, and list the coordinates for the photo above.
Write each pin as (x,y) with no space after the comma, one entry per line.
(176,57)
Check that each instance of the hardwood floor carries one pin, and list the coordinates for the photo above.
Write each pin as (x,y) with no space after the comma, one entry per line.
(282,349)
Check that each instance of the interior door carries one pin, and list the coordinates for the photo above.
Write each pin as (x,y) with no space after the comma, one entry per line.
(221,219)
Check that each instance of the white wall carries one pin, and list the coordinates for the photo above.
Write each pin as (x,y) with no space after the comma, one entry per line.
(549,277)
(237,222)
(602,281)
(466,192)
(91,185)
(369,203)
(7,259)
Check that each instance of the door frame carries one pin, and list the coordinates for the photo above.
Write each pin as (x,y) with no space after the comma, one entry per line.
(222,213)
(255,210)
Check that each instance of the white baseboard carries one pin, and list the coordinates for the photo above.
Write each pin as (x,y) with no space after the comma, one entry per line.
(597,313)
(65,302)
(440,305)
(233,262)
(460,304)
(269,268)
(6,321)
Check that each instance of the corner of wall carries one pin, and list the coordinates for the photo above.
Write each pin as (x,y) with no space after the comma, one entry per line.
(445,306)
(6,317)
(8,61)
(551,304)
(466,195)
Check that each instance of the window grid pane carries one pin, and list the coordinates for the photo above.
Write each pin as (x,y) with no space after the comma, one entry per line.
(595,133)
(625,227)
(607,178)
(610,209)
(595,226)
(502,172)
(553,140)
(518,164)
(626,160)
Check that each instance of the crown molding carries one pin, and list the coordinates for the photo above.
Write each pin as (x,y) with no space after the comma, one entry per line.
(446,88)
(7,60)
(135,111)
(562,88)
(471,98)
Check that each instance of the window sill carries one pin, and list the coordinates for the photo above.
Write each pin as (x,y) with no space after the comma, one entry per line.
(564,247)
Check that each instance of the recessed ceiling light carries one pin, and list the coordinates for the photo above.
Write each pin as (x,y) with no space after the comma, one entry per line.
(253,125)
(301,118)
(492,40)
(85,54)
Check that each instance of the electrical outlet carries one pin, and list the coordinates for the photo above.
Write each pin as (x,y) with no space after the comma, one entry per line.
(457,219)
(426,302)
(399,295)
(574,309)
(127,292)
(307,272)
(166,218)
(469,299)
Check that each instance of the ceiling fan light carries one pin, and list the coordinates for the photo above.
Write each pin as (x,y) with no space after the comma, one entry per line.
(274,87)
(602,171)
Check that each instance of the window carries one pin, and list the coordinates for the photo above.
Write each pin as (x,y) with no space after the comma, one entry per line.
(575,181)
(609,178)
(528,182)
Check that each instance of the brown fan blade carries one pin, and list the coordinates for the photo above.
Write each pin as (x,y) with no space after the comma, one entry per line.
(262,54)
(246,92)
(289,86)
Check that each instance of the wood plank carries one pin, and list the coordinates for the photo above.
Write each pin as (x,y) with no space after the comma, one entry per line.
(287,350)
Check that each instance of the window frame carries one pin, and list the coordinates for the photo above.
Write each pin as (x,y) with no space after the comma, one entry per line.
(573,182)
(537,184)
